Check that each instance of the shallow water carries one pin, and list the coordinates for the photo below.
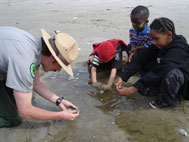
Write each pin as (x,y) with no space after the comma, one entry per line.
(104,116)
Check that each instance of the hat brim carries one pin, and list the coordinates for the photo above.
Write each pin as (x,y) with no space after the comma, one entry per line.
(46,38)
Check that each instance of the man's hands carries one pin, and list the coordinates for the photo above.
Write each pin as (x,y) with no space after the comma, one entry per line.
(68,114)
(66,104)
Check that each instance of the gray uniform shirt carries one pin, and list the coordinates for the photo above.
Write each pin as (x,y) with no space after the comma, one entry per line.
(19,52)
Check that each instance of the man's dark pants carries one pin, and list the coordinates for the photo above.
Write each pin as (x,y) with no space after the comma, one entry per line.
(8,111)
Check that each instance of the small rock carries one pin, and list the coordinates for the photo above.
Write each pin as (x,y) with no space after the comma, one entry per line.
(183,132)
(101,92)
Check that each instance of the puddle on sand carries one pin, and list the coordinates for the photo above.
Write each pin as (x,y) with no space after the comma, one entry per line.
(149,126)
(104,112)
(104,115)
(92,124)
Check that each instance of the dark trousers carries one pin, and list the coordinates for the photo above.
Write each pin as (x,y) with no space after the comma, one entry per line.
(8,111)
(171,87)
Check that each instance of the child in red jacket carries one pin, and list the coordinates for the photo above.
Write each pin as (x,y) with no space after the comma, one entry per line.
(106,55)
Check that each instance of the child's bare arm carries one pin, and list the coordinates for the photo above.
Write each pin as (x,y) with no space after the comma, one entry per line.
(133,51)
(127,91)
(139,47)
(111,79)
(134,48)
(93,75)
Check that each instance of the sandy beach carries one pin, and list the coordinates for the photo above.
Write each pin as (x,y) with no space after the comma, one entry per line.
(104,116)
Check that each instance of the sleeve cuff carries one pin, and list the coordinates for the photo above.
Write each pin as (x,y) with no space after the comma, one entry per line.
(139,85)
(124,77)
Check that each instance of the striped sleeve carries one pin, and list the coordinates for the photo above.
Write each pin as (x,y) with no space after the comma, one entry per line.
(96,61)
(148,42)
(132,35)
(147,39)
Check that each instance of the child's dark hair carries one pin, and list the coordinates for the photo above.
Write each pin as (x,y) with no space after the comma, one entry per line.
(45,51)
(163,25)
(140,11)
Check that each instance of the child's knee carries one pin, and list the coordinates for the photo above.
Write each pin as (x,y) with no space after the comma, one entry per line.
(172,83)
(175,76)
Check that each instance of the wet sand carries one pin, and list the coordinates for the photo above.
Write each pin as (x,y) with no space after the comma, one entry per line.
(104,116)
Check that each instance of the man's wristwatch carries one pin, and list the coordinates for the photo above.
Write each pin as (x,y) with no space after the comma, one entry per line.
(59,100)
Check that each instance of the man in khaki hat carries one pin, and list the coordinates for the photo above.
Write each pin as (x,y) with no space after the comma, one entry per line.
(20,57)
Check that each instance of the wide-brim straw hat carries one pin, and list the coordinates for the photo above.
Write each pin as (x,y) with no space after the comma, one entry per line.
(63,48)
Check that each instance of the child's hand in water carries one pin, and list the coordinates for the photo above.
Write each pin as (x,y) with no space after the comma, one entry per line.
(119,83)
(127,91)
(97,84)
(106,86)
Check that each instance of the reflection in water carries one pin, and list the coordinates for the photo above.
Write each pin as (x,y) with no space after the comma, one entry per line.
(145,125)
(92,124)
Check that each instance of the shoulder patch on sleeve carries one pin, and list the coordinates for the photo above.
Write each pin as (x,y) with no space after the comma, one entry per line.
(32,70)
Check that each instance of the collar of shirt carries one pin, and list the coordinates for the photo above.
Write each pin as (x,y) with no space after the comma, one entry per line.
(39,49)
(146,29)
